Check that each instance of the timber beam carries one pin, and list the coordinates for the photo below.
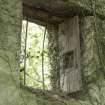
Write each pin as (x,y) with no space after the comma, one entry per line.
(54,11)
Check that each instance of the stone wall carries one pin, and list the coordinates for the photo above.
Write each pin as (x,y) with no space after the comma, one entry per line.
(92,67)
(54,55)
(10,40)
(10,27)
(92,64)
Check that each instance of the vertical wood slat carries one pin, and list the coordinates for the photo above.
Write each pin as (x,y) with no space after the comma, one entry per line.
(69,41)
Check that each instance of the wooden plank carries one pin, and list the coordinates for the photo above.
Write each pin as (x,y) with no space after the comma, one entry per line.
(69,41)
(57,6)
(54,11)
(34,14)
(61,8)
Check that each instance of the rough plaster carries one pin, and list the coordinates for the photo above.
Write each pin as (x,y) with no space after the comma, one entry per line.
(10,35)
(10,93)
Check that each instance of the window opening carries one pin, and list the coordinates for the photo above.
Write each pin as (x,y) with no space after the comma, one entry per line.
(34,56)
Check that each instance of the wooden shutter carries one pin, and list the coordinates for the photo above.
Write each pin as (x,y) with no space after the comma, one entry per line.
(69,44)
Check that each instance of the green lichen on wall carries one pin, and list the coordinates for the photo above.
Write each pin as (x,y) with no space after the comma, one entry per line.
(93,71)
(93,92)
(100,4)
(10,23)
(54,55)
(10,31)
(92,67)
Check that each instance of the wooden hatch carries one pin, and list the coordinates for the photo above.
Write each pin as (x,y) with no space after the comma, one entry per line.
(70,73)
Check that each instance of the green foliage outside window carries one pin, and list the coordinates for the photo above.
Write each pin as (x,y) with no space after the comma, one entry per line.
(34,56)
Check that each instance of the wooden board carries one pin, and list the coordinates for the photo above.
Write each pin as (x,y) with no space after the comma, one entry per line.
(69,44)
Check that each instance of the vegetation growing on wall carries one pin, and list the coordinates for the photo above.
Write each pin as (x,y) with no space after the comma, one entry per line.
(92,63)
(93,60)
(53,52)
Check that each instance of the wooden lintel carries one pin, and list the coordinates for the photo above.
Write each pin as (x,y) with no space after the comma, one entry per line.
(33,13)
(54,12)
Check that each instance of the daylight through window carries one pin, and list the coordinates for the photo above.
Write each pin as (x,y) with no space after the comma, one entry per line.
(34,56)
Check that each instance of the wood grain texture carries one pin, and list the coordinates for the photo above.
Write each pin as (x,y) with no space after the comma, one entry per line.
(70,42)
(55,11)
